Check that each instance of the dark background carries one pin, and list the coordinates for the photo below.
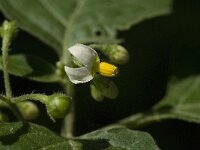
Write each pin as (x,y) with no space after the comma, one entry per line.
(160,48)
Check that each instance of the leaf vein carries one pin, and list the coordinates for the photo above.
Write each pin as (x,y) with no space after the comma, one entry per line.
(53,13)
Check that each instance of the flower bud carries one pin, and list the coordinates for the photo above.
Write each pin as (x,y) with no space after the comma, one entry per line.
(3,117)
(59,64)
(58,105)
(106,86)
(96,94)
(8,29)
(120,55)
(116,53)
(59,69)
(28,109)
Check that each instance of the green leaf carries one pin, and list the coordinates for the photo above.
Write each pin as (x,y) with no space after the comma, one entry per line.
(16,136)
(118,139)
(61,23)
(31,67)
(182,100)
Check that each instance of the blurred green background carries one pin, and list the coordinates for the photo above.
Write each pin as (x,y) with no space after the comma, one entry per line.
(161,48)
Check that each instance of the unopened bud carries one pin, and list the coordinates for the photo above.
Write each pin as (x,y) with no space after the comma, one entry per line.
(59,69)
(59,64)
(8,29)
(119,55)
(106,86)
(58,105)
(28,109)
(96,94)
(116,53)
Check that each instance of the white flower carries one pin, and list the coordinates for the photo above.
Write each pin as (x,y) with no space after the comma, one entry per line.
(89,58)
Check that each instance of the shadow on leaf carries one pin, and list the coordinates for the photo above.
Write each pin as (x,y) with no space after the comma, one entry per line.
(15,135)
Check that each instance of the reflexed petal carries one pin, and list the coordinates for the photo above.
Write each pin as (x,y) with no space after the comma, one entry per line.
(78,75)
(85,54)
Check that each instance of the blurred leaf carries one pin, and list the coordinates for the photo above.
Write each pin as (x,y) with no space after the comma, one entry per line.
(182,100)
(31,67)
(16,136)
(64,22)
(118,139)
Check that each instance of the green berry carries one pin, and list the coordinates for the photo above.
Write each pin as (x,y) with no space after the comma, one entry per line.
(28,109)
(58,105)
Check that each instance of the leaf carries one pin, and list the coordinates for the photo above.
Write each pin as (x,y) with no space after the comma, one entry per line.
(31,67)
(182,100)
(16,136)
(118,139)
(64,22)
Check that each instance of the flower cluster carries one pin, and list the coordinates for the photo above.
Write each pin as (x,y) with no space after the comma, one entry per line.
(91,68)
(90,65)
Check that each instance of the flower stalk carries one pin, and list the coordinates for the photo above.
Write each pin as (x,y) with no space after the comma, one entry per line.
(8,31)
(67,129)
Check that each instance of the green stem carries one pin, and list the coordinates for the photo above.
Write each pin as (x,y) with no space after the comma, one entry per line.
(17,112)
(13,107)
(140,120)
(8,30)
(36,97)
(68,123)
(5,45)
(67,130)
(4,99)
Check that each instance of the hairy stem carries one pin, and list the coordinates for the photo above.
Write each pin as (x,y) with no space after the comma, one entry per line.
(7,102)
(36,97)
(5,45)
(68,123)
(8,30)
(67,130)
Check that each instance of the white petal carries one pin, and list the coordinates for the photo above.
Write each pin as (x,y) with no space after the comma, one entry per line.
(85,54)
(78,75)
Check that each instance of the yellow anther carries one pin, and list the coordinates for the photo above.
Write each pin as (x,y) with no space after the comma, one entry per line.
(107,69)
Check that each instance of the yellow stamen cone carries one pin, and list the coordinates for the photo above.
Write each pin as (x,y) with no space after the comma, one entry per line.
(107,69)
